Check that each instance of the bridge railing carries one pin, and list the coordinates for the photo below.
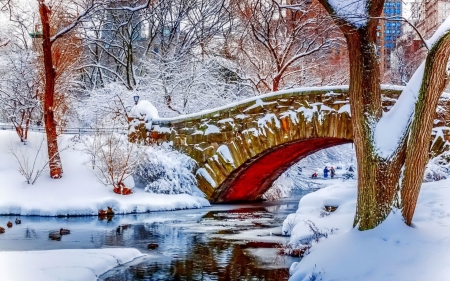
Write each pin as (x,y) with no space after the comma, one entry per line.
(72,131)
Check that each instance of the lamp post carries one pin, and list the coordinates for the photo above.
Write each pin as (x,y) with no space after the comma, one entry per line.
(136,99)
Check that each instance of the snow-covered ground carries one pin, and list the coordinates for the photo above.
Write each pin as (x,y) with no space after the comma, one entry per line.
(78,192)
(62,264)
(392,251)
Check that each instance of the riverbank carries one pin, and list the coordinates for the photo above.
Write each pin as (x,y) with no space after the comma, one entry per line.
(392,251)
(229,242)
(55,265)
(78,192)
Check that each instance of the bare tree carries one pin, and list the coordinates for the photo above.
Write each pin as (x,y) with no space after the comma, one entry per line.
(164,50)
(274,46)
(31,161)
(114,159)
(19,91)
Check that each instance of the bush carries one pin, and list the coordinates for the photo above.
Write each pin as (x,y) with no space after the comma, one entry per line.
(163,170)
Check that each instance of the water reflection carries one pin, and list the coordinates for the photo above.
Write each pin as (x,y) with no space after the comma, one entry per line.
(207,244)
(208,260)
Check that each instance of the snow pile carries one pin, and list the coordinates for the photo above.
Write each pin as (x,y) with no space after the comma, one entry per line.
(392,251)
(145,109)
(354,11)
(166,171)
(78,192)
(62,264)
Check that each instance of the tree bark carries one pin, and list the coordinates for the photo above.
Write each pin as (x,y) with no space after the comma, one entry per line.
(434,81)
(377,177)
(49,92)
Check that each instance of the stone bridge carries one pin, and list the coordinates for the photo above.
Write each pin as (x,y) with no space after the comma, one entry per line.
(243,148)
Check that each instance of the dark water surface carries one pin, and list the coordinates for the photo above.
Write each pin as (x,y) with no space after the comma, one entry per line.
(222,242)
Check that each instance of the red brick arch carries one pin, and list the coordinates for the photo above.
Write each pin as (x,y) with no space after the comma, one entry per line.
(252,179)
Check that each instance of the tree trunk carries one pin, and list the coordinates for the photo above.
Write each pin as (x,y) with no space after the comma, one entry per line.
(434,82)
(377,178)
(50,75)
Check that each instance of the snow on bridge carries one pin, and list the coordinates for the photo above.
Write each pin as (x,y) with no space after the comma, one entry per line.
(244,147)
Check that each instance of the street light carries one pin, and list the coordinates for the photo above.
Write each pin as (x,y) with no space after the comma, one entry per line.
(136,99)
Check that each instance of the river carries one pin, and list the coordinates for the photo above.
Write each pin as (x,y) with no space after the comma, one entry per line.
(221,242)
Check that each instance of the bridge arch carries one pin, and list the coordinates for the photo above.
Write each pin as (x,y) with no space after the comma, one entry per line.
(252,179)
(243,147)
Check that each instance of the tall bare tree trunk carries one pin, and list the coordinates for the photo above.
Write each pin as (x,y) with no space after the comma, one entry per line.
(50,76)
(377,178)
(434,81)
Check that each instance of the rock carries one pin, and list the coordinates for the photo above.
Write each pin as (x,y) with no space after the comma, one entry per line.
(152,246)
(330,208)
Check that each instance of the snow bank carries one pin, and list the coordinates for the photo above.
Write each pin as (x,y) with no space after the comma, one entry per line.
(78,192)
(392,251)
(83,265)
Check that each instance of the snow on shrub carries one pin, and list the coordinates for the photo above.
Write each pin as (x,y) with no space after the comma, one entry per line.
(163,170)
(114,159)
(438,168)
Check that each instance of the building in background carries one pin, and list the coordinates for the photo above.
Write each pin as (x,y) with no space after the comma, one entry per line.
(389,29)
(430,15)
(409,50)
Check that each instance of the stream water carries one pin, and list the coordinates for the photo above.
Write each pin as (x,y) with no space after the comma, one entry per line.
(221,242)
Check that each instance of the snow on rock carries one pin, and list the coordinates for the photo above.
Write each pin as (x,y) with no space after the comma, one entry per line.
(262,122)
(78,192)
(204,174)
(307,112)
(259,103)
(82,265)
(224,151)
(345,108)
(291,114)
(391,251)
(212,129)
(354,11)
